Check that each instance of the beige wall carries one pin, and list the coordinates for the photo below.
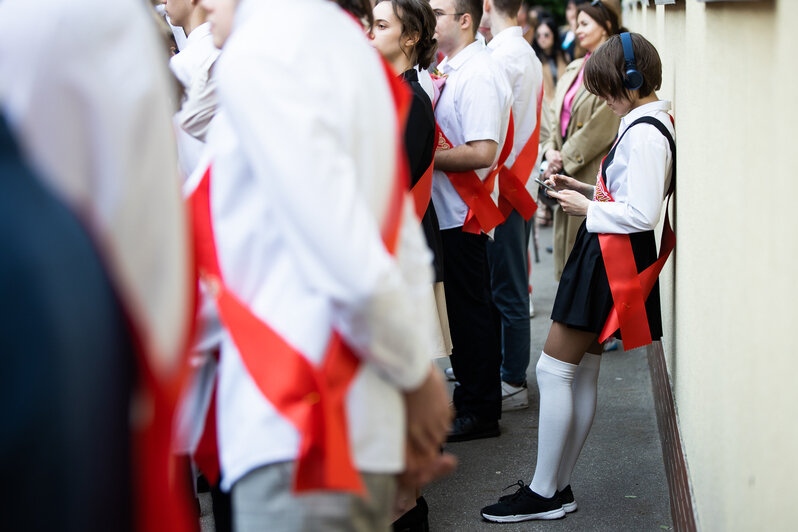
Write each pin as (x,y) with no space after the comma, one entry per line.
(730,69)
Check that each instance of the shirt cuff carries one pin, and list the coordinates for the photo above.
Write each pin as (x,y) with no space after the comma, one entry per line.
(590,217)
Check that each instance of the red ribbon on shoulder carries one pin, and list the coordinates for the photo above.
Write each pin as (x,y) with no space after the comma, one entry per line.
(512,181)
(311,398)
(483,214)
(422,190)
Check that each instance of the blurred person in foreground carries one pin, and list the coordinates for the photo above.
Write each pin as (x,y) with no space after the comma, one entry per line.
(84,89)
(193,441)
(320,272)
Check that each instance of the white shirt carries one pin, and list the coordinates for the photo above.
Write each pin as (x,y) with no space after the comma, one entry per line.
(474,105)
(425,80)
(177,31)
(192,67)
(303,166)
(86,90)
(638,177)
(522,67)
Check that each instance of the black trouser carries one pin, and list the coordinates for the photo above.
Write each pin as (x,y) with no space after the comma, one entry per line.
(473,321)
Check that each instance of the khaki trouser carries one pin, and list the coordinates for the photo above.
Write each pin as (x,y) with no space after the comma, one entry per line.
(262,501)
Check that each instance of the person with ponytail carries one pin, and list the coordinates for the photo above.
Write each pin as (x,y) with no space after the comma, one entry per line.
(403,32)
(360,9)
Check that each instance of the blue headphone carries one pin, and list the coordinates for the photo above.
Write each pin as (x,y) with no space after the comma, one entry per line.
(632,79)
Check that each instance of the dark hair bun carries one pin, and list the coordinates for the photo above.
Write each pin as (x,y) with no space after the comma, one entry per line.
(418,19)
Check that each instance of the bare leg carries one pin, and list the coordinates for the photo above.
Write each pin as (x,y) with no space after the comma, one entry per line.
(568,345)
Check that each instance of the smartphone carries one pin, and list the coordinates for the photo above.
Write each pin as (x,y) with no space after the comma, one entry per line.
(544,185)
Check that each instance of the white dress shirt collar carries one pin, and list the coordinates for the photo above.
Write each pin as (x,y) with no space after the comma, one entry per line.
(454,63)
(197,55)
(646,109)
(505,34)
(203,30)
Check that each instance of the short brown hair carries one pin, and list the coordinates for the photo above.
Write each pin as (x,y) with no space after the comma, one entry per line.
(507,7)
(473,8)
(417,18)
(605,68)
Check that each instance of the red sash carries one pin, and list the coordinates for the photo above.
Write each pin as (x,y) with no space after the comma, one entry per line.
(483,214)
(512,181)
(206,455)
(311,398)
(422,190)
(161,501)
(629,288)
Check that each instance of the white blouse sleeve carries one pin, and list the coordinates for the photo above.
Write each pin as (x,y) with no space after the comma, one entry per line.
(638,199)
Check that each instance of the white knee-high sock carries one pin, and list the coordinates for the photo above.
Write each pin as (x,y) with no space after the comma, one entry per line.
(584,394)
(556,411)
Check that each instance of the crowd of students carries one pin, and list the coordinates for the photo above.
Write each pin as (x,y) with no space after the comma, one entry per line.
(357,200)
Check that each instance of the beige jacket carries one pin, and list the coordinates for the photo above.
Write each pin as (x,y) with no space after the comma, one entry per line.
(590,134)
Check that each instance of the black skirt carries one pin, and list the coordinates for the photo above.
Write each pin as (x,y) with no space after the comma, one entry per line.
(584,299)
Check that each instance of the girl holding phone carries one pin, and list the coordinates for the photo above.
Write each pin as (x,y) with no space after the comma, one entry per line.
(625,204)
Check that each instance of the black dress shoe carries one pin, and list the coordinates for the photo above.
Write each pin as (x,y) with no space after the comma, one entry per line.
(415,519)
(468,427)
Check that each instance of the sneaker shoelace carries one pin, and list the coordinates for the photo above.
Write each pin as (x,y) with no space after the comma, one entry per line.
(519,484)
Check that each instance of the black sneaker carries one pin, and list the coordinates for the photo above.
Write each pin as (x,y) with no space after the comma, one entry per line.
(567,499)
(523,505)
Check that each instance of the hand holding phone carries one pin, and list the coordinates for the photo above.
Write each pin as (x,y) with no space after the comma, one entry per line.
(545,185)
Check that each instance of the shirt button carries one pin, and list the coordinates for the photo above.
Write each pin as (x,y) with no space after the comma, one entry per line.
(579,124)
